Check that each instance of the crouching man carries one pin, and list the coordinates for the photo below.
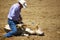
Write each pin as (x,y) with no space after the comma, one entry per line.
(13,17)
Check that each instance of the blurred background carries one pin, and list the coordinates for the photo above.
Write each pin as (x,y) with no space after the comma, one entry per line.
(46,13)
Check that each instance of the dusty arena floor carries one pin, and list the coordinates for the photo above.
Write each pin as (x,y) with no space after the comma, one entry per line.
(46,13)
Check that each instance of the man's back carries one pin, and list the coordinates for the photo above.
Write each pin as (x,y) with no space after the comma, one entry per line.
(14,12)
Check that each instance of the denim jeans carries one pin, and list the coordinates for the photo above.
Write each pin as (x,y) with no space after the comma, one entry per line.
(12,25)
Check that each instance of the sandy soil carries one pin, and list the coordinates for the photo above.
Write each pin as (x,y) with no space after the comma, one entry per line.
(46,13)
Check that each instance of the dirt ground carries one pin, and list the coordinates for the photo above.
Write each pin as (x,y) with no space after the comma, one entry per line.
(46,13)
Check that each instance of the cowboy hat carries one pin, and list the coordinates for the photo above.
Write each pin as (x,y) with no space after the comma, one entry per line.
(23,2)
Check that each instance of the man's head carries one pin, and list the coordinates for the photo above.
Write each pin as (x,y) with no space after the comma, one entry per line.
(22,3)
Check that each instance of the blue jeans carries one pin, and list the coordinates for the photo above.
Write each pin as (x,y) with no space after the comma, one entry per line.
(12,25)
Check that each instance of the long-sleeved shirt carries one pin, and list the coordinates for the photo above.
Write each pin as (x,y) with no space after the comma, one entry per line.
(14,12)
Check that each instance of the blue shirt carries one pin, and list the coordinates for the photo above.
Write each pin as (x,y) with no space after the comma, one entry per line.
(14,12)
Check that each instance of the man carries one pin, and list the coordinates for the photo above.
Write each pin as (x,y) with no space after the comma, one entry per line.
(13,17)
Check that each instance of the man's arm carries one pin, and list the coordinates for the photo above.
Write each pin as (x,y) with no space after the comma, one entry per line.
(20,19)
